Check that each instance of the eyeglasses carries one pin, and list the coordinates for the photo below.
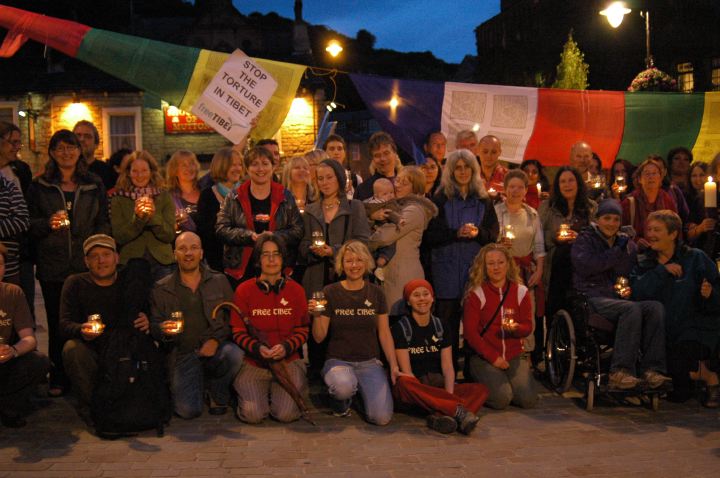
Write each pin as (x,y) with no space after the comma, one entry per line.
(65,149)
(16,143)
(271,255)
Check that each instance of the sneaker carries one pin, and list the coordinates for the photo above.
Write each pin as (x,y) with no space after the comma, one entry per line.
(655,379)
(712,397)
(466,420)
(622,380)
(442,423)
(341,408)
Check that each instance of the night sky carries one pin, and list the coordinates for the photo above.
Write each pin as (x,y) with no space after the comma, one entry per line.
(446,28)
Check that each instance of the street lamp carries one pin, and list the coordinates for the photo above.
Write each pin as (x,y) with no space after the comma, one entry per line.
(334,48)
(616,11)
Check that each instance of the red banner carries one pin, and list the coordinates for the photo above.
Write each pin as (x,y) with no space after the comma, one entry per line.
(178,121)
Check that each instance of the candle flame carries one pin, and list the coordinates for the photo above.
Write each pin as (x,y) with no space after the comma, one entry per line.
(709,179)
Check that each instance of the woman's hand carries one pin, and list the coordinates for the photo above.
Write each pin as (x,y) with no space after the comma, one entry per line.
(501,363)
(380,215)
(506,242)
(144,207)
(322,251)
(395,373)
(535,278)
(674,269)
(705,289)
(706,225)
(266,353)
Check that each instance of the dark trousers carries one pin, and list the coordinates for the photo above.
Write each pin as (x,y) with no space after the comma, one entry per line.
(411,391)
(51,294)
(683,358)
(18,377)
(451,311)
(81,363)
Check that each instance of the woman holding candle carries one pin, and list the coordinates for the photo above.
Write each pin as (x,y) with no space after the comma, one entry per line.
(538,183)
(355,323)
(649,197)
(296,179)
(182,179)
(226,170)
(415,213)
(566,212)
(527,247)
(621,178)
(702,188)
(256,206)
(466,221)
(67,205)
(497,315)
(424,355)
(143,215)
(328,223)
(686,281)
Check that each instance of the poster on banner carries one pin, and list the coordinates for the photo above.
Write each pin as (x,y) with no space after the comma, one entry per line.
(236,95)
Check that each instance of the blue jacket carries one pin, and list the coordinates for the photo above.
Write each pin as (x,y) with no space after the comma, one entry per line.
(452,257)
(688,316)
(596,265)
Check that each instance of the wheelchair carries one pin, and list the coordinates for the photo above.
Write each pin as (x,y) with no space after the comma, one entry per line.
(579,348)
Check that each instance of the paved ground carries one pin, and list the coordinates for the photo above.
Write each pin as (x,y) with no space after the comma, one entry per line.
(557,439)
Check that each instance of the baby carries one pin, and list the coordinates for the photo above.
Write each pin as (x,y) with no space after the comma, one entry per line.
(383,198)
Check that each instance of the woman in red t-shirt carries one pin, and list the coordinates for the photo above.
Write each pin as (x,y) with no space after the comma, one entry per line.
(496,317)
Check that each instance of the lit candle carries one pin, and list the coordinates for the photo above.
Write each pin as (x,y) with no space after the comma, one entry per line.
(492,191)
(539,188)
(710,193)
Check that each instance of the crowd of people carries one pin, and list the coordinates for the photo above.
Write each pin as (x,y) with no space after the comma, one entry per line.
(382,288)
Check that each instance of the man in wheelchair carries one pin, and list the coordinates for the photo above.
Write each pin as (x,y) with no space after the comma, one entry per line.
(601,256)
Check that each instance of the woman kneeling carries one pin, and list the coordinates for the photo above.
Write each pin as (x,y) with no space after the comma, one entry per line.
(497,316)
(356,314)
(427,379)
(276,328)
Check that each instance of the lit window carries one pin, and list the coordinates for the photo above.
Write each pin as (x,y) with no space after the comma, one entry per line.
(686,79)
(9,111)
(715,74)
(121,129)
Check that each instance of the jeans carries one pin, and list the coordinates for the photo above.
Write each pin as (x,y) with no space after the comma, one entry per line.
(344,379)
(188,374)
(639,330)
(514,385)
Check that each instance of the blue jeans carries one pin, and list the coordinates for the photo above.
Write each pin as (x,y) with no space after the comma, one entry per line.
(188,378)
(344,379)
(639,332)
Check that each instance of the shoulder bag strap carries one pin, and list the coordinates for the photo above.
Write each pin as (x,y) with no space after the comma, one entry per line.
(487,326)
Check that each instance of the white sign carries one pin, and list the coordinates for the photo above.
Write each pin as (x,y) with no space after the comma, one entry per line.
(236,95)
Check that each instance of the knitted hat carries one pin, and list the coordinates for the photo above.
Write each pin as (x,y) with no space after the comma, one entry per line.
(339,171)
(414,284)
(609,206)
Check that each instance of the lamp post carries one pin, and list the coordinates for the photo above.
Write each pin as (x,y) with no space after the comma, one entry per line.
(334,48)
(616,11)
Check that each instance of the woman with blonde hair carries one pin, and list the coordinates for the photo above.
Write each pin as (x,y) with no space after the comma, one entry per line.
(143,215)
(226,171)
(181,173)
(297,178)
(355,322)
(466,221)
(497,315)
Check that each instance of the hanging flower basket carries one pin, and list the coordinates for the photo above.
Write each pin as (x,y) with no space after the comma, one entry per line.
(653,79)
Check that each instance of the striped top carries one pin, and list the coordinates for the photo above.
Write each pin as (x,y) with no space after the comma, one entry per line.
(14,220)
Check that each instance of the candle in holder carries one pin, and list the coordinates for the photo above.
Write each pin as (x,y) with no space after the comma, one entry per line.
(508,318)
(472,228)
(508,232)
(596,181)
(176,324)
(300,205)
(96,324)
(320,301)
(622,286)
(539,189)
(620,184)
(710,193)
(318,238)
(492,192)
(63,220)
(563,233)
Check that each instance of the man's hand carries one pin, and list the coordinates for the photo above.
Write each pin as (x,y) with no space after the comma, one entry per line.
(208,349)
(501,363)
(142,323)
(705,289)
(674,269)
(6,353)
(87,332)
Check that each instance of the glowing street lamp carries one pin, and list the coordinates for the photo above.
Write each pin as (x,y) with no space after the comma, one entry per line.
(334,48)
(615,12)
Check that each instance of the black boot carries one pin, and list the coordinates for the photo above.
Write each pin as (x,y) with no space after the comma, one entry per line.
(466,420)
(712,396)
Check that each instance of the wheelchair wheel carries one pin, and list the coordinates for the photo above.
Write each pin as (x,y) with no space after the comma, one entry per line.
(560,354)
(590,395)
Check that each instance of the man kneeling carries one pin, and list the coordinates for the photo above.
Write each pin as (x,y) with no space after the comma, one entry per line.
(601,254)
(182,305)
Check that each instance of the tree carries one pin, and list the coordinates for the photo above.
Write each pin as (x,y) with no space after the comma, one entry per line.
(572,71)
(365,40)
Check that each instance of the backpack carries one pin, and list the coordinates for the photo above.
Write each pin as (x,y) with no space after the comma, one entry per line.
(131,392)
(407,327)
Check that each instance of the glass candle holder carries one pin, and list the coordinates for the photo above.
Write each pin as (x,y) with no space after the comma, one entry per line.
(96,324)
(622,285)
(508,317)
(620,184)
(320,301)
(318,238)
(564,233)
(176,324)
(508,232)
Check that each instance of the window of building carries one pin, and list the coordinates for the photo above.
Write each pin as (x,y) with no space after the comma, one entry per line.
(715,74)
(686,78)
(9,111)
(122,128)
